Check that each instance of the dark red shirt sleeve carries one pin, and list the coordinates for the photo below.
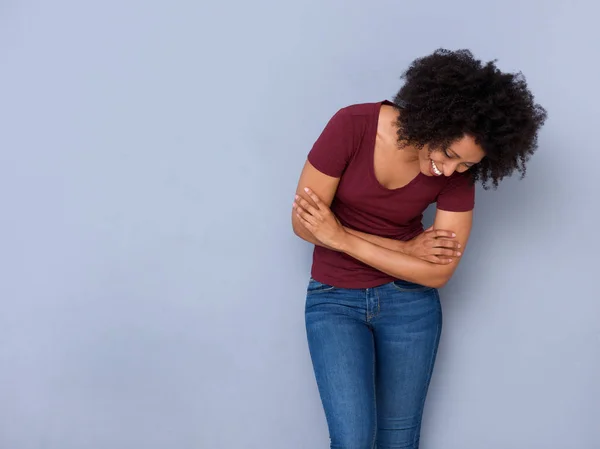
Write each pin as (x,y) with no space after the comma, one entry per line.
(458,195)
(333,149)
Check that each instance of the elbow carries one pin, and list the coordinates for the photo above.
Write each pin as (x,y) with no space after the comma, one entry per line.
(438,282)
(296,228)
(440,276)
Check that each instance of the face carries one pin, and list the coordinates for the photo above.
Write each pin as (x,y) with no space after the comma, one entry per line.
(461,155)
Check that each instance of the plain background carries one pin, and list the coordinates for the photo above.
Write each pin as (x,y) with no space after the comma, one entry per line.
(152,289)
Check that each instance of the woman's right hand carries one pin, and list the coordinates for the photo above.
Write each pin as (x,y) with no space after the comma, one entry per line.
(435,246)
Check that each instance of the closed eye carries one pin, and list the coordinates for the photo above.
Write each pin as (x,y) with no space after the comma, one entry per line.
(452,156)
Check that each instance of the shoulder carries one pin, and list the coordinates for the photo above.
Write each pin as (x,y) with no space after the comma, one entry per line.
(457,193)
(359,111)
(463,179)
(355,118)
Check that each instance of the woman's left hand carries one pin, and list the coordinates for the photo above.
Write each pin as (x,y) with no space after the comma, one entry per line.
(320,221)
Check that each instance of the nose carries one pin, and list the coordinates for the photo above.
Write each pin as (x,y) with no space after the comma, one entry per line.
(449,168)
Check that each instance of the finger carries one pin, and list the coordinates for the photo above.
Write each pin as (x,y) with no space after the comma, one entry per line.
(306,221)
(306,205)
(443,233)
(446,252)
(306,224)
(442,243)
(314,197)
(438,260)
(301,213)
(299,209)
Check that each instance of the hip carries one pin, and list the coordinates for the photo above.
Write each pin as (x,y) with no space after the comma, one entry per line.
(397,300)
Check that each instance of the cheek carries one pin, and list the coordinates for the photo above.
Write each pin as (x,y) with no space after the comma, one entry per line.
(425,161)
(426,155)
(437,156)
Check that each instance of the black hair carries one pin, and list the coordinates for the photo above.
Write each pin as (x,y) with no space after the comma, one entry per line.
(450,94)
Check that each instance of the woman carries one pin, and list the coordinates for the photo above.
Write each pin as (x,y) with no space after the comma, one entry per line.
(373,315)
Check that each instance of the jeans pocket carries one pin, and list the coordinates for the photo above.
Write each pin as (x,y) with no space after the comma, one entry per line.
(406,286)
(318,287)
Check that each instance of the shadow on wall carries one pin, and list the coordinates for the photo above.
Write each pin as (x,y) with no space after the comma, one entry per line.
(519,214)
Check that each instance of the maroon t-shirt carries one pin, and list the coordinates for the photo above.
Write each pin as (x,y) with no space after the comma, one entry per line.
(345,150)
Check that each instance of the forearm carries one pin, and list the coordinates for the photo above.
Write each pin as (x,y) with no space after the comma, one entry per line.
(395,263)
(306,235)
(391,244)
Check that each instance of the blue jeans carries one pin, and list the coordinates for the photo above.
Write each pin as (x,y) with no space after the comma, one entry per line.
(373,352)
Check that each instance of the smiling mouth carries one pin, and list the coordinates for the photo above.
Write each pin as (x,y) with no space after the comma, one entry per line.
(436,171)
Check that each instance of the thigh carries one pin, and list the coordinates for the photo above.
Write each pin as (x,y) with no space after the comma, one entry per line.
(407,332)
(342,352)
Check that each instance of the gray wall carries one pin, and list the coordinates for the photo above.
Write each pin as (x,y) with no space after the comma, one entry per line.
(152,290)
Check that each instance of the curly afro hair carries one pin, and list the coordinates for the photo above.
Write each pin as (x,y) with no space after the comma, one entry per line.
(450,94)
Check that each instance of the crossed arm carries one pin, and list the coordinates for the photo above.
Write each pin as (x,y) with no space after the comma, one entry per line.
(429,259)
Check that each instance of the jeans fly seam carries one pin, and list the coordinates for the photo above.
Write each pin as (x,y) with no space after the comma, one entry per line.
(375,296)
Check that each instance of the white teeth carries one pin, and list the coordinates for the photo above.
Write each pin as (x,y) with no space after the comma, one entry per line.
(435,169)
